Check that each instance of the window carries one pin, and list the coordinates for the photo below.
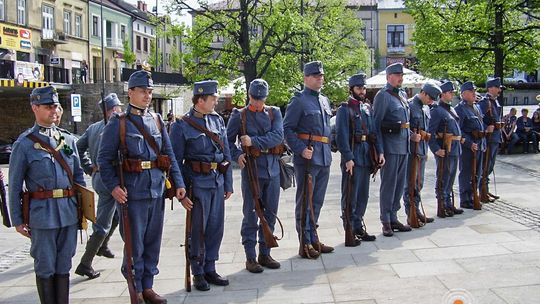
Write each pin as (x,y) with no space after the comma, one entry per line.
(122,32)
(2,10)
(526,100)
(48,17)
(515,100)
(395,36)
(78,25)
(21,12)
(23,56)
(138,43)
(67,22)
(145,45)
(95,26)
(138,27)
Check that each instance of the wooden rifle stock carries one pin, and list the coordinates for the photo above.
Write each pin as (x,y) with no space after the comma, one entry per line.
(187,247)
(442,163)
(307,202)
(413,219)
(474,184)
(128,249)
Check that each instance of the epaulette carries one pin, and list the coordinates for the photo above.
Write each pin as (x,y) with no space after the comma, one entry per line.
(25,133)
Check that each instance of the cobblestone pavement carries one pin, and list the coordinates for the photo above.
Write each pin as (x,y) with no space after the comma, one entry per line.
(490,256)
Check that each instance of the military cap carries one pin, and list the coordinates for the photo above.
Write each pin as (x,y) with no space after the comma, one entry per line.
(206,87)
(140,78)
(358,80)
(467,86)
(447,87)
(494,82)
(44,95)
(313,68)
(395,68)
(432,90)
(111,101)
(258,88)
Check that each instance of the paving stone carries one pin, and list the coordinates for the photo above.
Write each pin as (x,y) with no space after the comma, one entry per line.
(522,246)
(418,269)
(519,294)
(493,278)
(237,296)
(456,252)
(313,293)
(385,257)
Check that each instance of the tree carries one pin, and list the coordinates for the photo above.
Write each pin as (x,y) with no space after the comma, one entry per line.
(269,39)
(469,40)
(129,56)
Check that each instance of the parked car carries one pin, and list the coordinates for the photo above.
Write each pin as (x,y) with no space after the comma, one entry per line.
(5,152)
(515,79)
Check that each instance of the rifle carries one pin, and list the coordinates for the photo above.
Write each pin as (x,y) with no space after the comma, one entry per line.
(270,239)
(307,202)
(442,163)
(413,219)
(187,247)
(128,250)
(474,182)
(3,204)
(349,235)
(375,165)
(483,181)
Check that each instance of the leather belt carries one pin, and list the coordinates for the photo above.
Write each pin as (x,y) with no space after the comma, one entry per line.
(318,138)
(499,125)
(277,150)
(477,134)
(404,125)
(448,135)
(206,168)
(55,193)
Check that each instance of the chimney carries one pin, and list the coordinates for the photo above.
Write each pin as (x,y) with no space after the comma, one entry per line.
(139,4)
(144,6)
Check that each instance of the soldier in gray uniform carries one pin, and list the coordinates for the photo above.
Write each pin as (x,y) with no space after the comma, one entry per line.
(307,129)
(53,217)
(354,124)
(264,140)
(419,123)
(106,217)
(144,171)
(391,113)
(201,147)
(445,143)
(492,112)
(472,130)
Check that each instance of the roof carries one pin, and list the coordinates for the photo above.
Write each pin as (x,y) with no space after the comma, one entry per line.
(390,4)
(359,3)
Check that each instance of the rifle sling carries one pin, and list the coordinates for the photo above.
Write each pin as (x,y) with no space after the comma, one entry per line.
(213,136)
(151,141)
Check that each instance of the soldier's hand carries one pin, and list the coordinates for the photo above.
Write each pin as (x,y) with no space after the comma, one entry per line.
(474,147)
(307,153)
(416,137)
(227,195)
(119,194)
(349,166)
(180,193)
(490,129)
(187,203)
(24,230)
(382,161)
(440,153)
(242,160)
(245,140)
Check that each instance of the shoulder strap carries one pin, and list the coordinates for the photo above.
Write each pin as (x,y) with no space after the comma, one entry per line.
(145,134)
(55,154)
(243,121)
(213,136)
(270,112)
(401,99)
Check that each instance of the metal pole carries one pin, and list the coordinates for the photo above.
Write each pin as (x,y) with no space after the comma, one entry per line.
(103,107)
(157,25)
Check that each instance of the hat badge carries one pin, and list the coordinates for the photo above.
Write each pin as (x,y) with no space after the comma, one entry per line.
(200,90)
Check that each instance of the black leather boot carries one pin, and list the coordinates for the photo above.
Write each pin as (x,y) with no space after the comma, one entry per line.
(46,290)
(61,284)
(104,250)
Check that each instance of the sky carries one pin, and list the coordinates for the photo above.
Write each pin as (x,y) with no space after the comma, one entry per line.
(185,18)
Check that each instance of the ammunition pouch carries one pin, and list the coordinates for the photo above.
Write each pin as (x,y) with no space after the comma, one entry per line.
(205,168)
(393,127)
(477,134)
(163,162)
(277,150)
(223,167)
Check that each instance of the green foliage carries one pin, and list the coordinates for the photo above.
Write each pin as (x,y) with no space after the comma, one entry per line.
(458,39)
(268,39)
(129,55)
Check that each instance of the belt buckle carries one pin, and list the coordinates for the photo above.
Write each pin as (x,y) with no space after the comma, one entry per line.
(324,139)
(58,193)
(363,137)
(146,165)
(264,151)
(213,166)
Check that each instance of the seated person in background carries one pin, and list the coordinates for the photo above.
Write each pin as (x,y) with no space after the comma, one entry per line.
(525,132)
(536,125)
(510,138)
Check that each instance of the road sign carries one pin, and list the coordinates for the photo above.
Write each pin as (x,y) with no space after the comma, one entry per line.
(55,60)
(76,105)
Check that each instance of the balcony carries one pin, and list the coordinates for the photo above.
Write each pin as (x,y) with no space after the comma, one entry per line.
(396,49)
(50,37)
(114,43)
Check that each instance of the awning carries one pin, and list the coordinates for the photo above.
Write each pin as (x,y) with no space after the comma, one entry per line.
(411,79)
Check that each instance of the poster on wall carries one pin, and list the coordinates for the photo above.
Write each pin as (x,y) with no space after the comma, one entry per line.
(29,71)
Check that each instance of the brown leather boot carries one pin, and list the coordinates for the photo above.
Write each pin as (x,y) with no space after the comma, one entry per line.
(150,296)
(308,252)
(324,248)
(387,229)
(253,267)
(268,262)
(397,225)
